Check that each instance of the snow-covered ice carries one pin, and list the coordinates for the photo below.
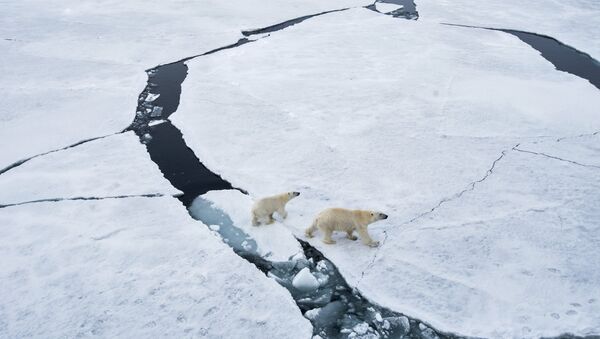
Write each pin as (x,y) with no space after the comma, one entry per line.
(517,256)
(574,22)
(72,70)
(136,267)
(112,166)
(360,110)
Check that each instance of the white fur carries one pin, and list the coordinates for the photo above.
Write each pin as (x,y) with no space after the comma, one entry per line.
(340,219)
(265,207)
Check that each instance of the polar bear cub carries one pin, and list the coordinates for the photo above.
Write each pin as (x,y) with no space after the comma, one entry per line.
(265,207)
(341,219)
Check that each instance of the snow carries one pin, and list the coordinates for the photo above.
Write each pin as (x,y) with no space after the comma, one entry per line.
(112,166)
(573,22)
(136,267)
(73,70)
(305,281)
(361,110)
(514,255)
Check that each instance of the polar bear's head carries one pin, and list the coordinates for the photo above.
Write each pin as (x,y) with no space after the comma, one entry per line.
(292,195)
(375,216)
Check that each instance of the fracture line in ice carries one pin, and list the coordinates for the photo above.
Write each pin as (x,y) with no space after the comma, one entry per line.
(85,141)
(555,158)
(288,23)
(470,187)
(578,136)
(151,195)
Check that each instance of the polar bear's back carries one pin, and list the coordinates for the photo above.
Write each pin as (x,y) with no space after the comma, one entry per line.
(270,204)
(339,219)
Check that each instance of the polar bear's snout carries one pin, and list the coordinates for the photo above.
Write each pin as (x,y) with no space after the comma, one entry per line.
(383,216)
(295,194)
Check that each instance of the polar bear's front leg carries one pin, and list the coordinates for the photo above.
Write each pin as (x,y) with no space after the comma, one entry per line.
(366,238)
(255,220)
(282,212)
(327,238)
(271,220)
(350,236)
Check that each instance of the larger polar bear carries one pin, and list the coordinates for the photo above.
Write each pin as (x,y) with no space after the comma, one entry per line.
(265,207)
(341,219)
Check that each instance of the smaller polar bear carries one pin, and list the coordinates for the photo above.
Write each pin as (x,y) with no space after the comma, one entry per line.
(341,219)
(265,207)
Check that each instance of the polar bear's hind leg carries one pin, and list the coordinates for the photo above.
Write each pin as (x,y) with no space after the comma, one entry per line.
(327,238)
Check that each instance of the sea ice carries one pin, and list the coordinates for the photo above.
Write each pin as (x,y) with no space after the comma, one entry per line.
(112,166)
(554,18)
(136,267)
(418,128)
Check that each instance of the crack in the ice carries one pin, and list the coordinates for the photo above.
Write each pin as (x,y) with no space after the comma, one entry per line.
(79,143)
(579,136)
(288,23)
(372,262)
(555,158)
(150,195)
(470,187)
(109,234)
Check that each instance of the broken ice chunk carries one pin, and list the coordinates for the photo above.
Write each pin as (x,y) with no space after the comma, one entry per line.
(156,111)
(322,278)
(214,227)
(361,328)
(298,256)
(383,7)
(312,314)
(305,281)
(399,325)
(156,122)
(151,97)
(428,333)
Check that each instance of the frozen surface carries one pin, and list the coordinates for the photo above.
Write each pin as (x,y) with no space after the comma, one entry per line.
(275,241)
(112,166)
(399,116)
(517,256)
(72,70)
(135,267)
(574,22)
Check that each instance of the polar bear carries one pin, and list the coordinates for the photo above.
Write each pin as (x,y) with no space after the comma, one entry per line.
(265,207)
(341,219)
